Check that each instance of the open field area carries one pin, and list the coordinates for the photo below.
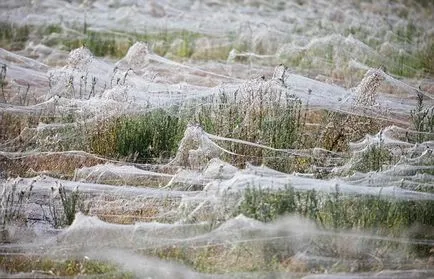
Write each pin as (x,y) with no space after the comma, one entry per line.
(216,139)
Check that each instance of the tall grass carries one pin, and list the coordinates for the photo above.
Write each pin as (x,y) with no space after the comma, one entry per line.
(259,112)
(150,137)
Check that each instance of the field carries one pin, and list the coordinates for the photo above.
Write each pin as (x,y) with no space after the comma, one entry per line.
(216,139)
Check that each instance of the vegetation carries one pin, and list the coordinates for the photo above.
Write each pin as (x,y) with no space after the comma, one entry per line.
(151,137)
(258,113)
(13,37)
(12,201)
(50,267)
(367,233)
(336,211)
(14,198)
(273,119)
(426,56)
(116,44)
(423,120)
(177,44)
(71,203)
(341,129)
(183,44)
(261,123)
(373,158)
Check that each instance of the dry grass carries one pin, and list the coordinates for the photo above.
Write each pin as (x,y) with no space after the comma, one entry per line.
(117,210)
(56,164)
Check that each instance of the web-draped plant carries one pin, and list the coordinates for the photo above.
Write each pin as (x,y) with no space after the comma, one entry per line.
(423,120)
(261,112)
(70,203)
(12,201)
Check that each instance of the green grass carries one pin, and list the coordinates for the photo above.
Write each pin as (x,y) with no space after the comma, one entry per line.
(423,3)
(426,57)
(151,137)
(355,233)
(154,136)
(70,203)
(182,44)
(262,114)
(336,211)
(112,44)
(373,159)
(116,44)
(52,28)
(12,36)
(100,44)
